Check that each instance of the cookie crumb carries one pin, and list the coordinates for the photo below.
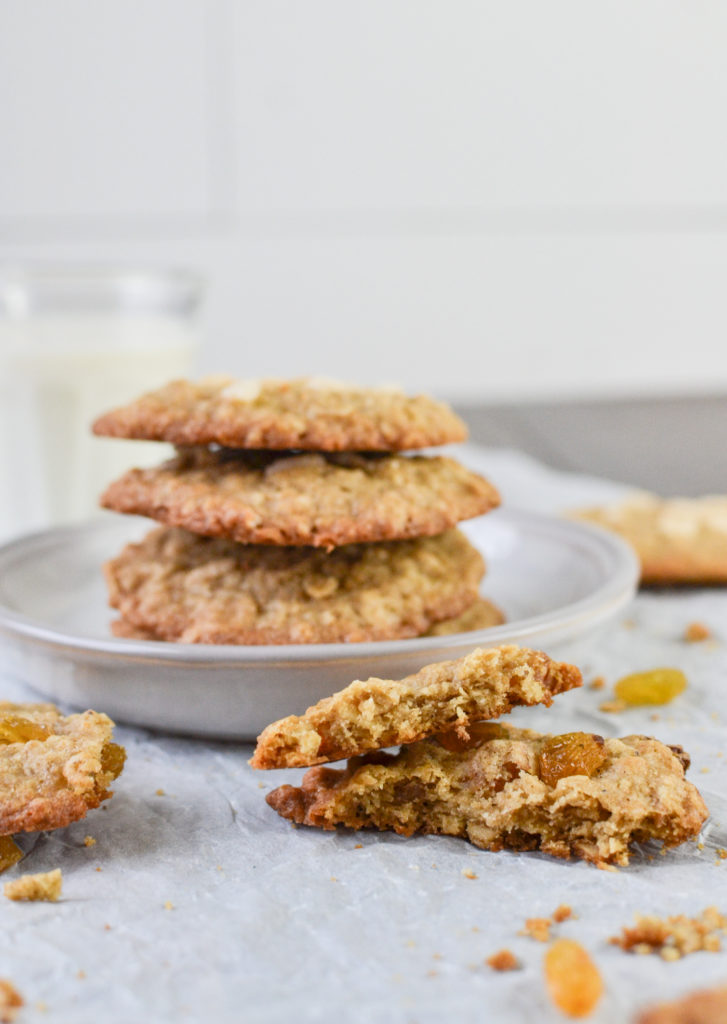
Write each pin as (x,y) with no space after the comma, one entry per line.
(673,937)
(597,684)
(81,975)
(10,1001)
(468,874)
(358,846)
(696,632)
(503,960)
(10,853)
(46,886)
(89,841)
(612,707)
(168,905)
(721,853)
(537,928)
(159,792)
(562,913)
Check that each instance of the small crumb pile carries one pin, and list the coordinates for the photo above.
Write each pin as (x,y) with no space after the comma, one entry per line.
(674,937)
(46,886)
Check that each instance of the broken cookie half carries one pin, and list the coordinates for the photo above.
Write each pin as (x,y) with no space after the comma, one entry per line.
(572,795)
(374,713)
(575,795)
(53,768)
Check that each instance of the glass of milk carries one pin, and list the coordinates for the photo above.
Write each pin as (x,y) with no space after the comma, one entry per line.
(74,343)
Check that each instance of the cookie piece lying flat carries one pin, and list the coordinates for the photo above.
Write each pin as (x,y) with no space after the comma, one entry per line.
(310,499)
(491,792)
(53,768)
(374,713)
(708,1006)
(483,614)
(202,590)
(307,413)
(677,540)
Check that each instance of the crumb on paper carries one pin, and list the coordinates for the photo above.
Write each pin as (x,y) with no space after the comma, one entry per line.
(10,853)
(46,886)
(612,707)
(721,853)
(697,631)
(503,960)
(168,905)
(562,913)
(159,792)
(468,874)
(628,623)
(89,841)
(537,928)
(597,684)
(107,927)
(673,937)
(704,771)
(81,974)
(10,1001)
(98,869)
(358,846)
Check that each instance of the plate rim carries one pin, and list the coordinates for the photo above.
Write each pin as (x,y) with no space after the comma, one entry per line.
(615,591)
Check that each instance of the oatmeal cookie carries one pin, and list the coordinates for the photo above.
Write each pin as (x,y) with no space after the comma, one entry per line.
(202,590)
(490,791)
(677,540)
(323,500)
(308,413)
(53,768)
(448,695)
(708,1006)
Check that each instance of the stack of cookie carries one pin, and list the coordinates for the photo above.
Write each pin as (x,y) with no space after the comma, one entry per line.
(290,516)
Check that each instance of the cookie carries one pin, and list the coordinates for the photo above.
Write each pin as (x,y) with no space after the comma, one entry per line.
(677,540)
(709,1006)
(308,413)
(53,768)
(374,713)
(311,499)
(491,792)
(207,590)
(483,614)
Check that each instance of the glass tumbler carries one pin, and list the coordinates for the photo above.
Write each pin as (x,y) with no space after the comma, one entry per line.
(75,342)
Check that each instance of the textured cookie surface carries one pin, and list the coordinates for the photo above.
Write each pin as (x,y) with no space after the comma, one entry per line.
(677,540)
(491,792)
(201,590)
(449,695)
(483,614)
(53,768)
(708,1006)
(307,413)
(309,499)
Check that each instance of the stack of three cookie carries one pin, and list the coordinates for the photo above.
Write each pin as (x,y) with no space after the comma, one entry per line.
(290,516)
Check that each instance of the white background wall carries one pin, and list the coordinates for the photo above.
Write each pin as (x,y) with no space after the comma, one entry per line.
(494,200)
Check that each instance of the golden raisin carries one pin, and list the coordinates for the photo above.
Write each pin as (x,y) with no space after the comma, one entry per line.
(10,852)
(18,729)
(657,686)
(574,982)
(113,757)
(478,733)
(573,753)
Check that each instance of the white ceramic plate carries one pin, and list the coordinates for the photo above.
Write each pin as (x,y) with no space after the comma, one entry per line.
(555,580)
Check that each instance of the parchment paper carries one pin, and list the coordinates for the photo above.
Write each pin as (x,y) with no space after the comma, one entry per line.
(198,903)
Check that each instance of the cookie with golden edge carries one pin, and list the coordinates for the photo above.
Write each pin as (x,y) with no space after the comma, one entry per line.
(309,413)
(53,768)
(196,589)
(318,499)
(677,540)
(490,790)
(448,695)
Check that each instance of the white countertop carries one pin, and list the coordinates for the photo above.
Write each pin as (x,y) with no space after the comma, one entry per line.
(272,923)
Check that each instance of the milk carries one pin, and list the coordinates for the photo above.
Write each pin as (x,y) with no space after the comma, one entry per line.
(58,371)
